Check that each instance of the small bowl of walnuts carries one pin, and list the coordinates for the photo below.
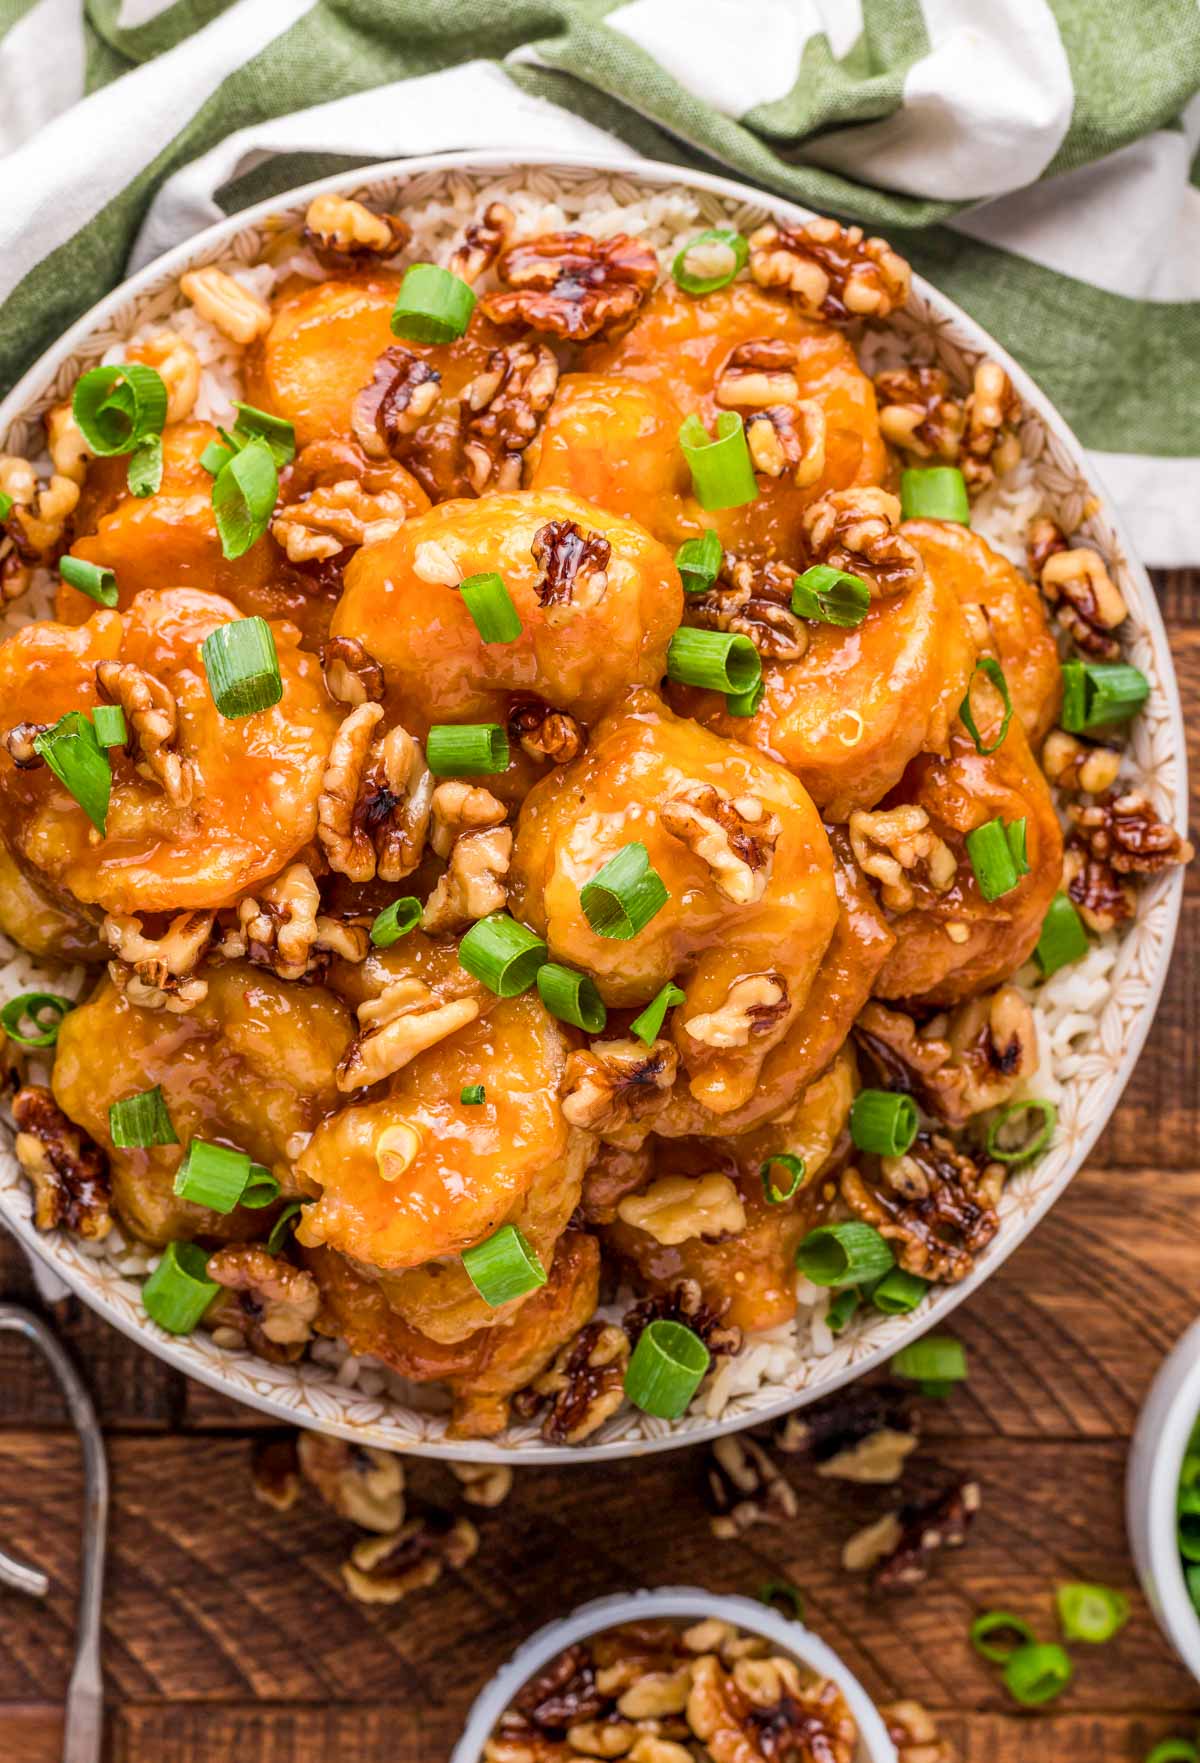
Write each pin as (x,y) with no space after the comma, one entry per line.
(679,1675)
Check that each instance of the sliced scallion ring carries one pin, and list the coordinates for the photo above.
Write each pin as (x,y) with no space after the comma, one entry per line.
(666,1369)
(504,1267)
(934,492)
(936,1358)
(831,596)
(1000,1623)
(212,1175)
(98,584)
(471,1095)
(1063,938)
(1174,1751)
(144,475)
(242,665)
(502,954)
(1032,1141)
(244,494)
(716,256)
(1097,694)
(491,607)
(45,1010)
(6,506)
(119,407)
(1017,833)
(179,1291)
(992,860)
(991,670)
(284,1225)
(108,720)
(899,1293)
(746,703)
(1091,1613)
(75,756)
(796,1168)
(1036,1674)
(623,896)
(433,306)
(572,997)
(721,467)
(278,433)
(841,1310)
(215,456)
(721,661)
(395,921)
(466,749)
(648,1025)
(781,1591)
(141,1120)
(699,561)
(261,1189)
(883,1121)
(848,1254)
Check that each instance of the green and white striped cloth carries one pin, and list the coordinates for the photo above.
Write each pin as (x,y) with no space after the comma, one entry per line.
(1036,158)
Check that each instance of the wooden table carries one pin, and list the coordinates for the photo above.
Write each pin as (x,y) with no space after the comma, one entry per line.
(229,1638)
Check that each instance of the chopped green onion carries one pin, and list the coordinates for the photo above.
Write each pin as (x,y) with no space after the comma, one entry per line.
(842,1309)
(97,583)
(1016,832)
(1063,938)
(242,667)
(466,749)
(144,475)
(1033,1143)
(6,506)
(471,1095)
(999,1622)
(666,1369)
(491,606)
(937,1358)
(992,859)
(699,561)
(782,1591)
(503,1267)
(244,494)
(45,1010)
(796,1168)
(1192,1578)
(395,921)
(648,1026)
(1092,1613)
(721,661)
(722,472)
(623,896)
(119,407)
(78,761)
(735,249)
(141,1120)
(502,954)
(432,306)
(883,1121)
(831,596)
(278,433)
(848,1254)
(992,671)
(212,1176)
(935,1390)
(898,1293)
(572,997)
(1036,1674)
(1187,1507)
(178,1292)
(1173,1751)
(934,492)
(215,456)
(746,703)
(284,1225)
(261,1189)
(108,720)
(1099,693)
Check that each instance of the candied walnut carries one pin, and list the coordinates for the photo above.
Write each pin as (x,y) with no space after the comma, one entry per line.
(358,1482)
(918,412)
(862,1434)
(394,1027)
(898,1549)
(267,1302)
(895,845)
(676,1208)
(615,1084)
(572,284)
(574,568)
(404,389)
(333,518)
(751,598)
(989,1045)
(474,883)
(1043,538)
(543,732)
(153,724)
(584,1385)
(1074,765)
(158,973)
(788,438)
(1088,602)
(765,1711)
(352,675)
(757,374)
(459,808)
(502,411)
(20,744)
(990,445)
(224,303)
(34,528)
(1125,832)
(483,1484)
(857,531)
(685,1304)
(935,1205)
(68,1170)
(656,1695)
(734,836)
(385,1569)
(482,242)
(1103,898)
(69,452)
(753,1005)
(914,1733)
(562,1693)
(284,929)
(611,1737)
(346,235)
(832,271)
(376,799)
(746,1487)
(275,1472)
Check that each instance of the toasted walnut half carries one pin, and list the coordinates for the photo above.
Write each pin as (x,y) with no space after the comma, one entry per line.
(1125,832)
(352,674)
(69,452)
(474,883)
(914,1733)
(676,1208)
(863,1434)
(751,598)
(269,1303)
(337,517)
(898,1550)
(397,1025)
(757,374)
(1043,537)
(753,1005)
(502,411)
(574,567)
(617,1084)
(832,271)
(857,530)
(685,1303)
(935,1205)
(746,1487)
(159,973)
(68,1170)
(918,412)
(356,1481)
(1089,604)
(153,723)
(583,1385)
(543,732)
(989,1045)
(1073,764)
(459,807)
(765,1710)
(788,439)
(404,389)
(1103,898)
(734,836)
(347,235)
(385,1569)
(376,799)
(990,445)
(483,1484)
(275,1472)
(899,846)
(32,531)
(482,242)
(572,284)
(283,928)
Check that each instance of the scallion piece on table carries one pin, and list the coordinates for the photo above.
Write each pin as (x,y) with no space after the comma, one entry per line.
(244,494)
(992,671)
(179,1291)
(721,661)
(1000,1623)
(936,1358)
(623,896)
(503,1267)
(1097,694)
(502,954)
(98,584)
(278,433)
(666,1369)
(721,468)
(471,1095)
(466,749)
(934,492)
(796,1170)
(108,720)
(717,255)
(746,703)
(782,1591)
(699,561)
(1173,1751)
(141,1120)
(572,997)
(395,921)
(1034,1137)
(491,607)
(44,1010)
(831,596)
(122,409)
(1063,938)
(648,1026)
(898,1293)
(1037,1673)
(992,860)
(212,1176)
(849,1254)
(433,306)
(242,667)
(883,1121)
(80,764)
(842,1309)
(1092,1613)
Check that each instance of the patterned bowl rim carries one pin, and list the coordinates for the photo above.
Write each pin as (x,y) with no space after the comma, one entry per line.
(242,1376)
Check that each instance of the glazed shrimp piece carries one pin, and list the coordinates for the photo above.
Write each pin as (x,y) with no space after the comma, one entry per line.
(320,351)
(746,864)
(251,1065)
(194,817)
(40,919)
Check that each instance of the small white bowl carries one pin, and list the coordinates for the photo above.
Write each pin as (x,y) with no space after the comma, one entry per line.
(1151,1485)
(874,1745)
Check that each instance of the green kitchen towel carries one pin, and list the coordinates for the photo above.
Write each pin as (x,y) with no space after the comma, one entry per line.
(1037,159)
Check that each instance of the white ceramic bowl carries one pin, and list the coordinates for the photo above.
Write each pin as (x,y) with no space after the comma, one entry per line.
(933,330)
(1151,1483)
(672,1601)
